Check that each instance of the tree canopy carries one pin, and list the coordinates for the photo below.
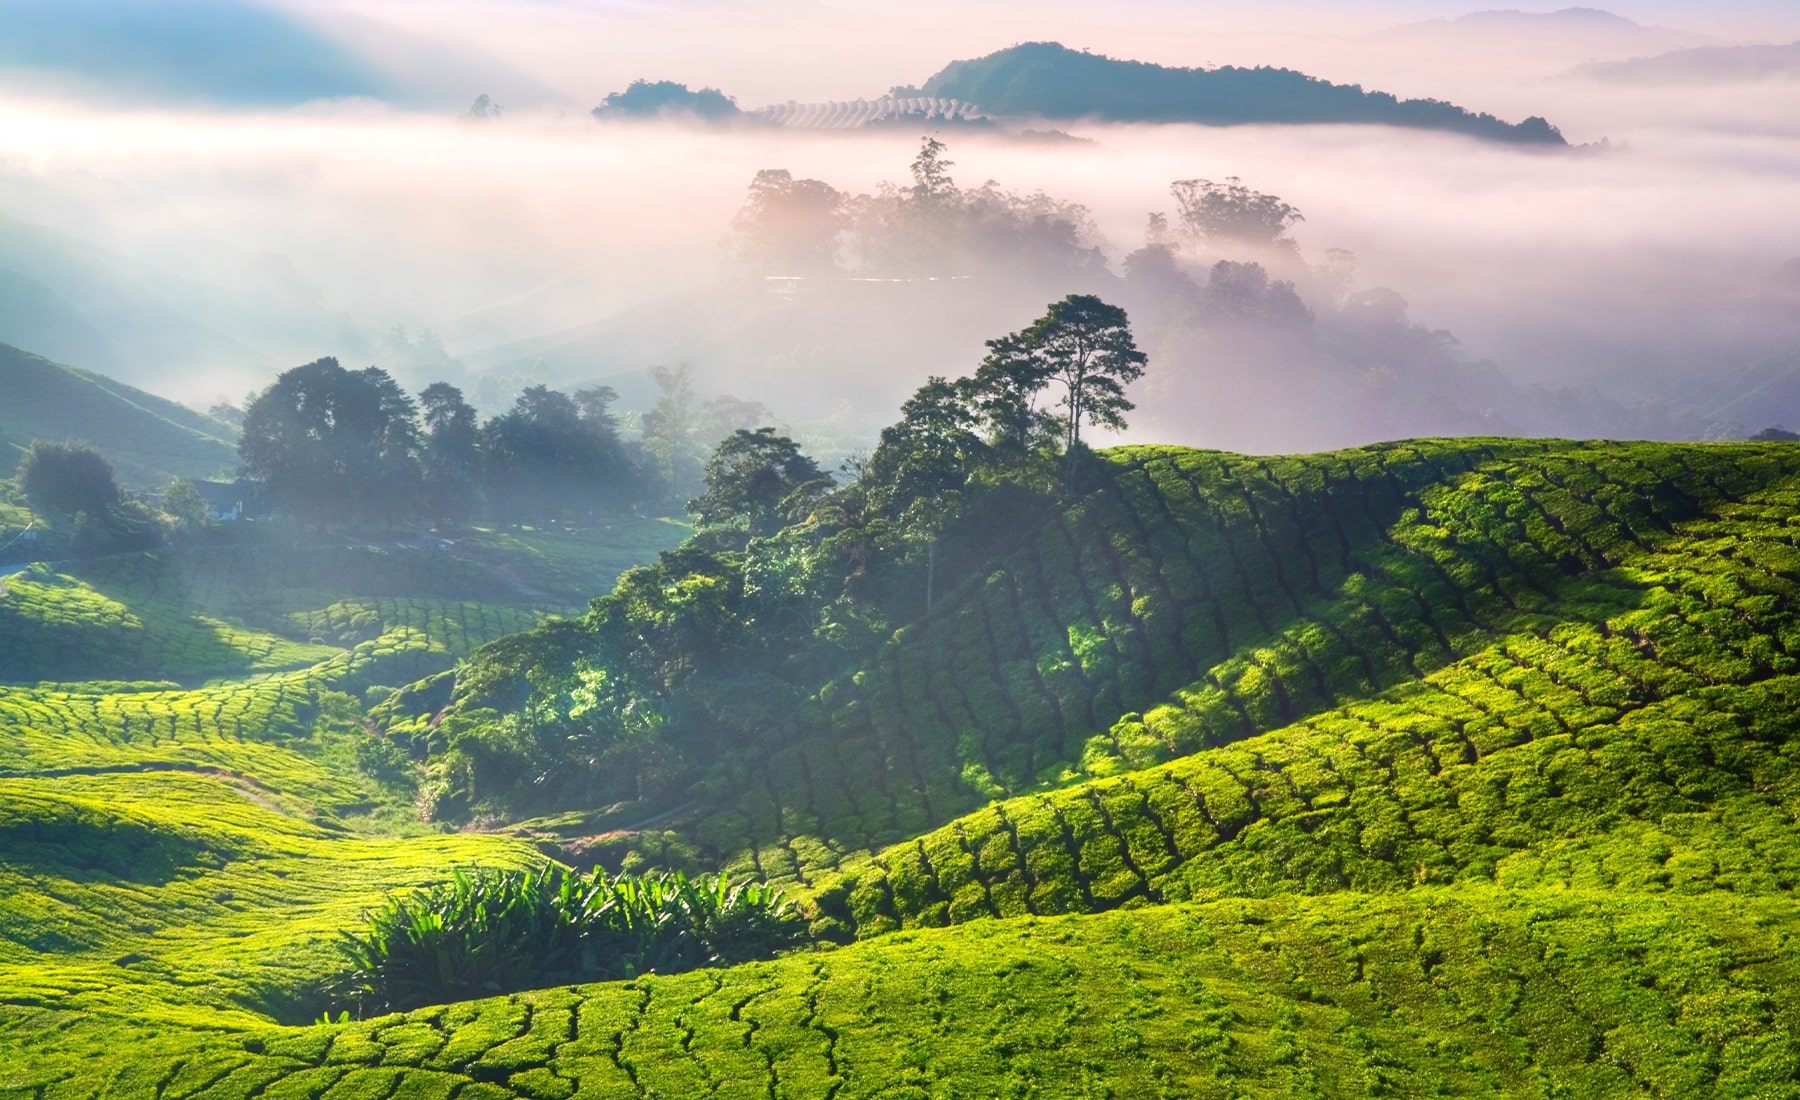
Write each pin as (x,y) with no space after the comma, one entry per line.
(62,478)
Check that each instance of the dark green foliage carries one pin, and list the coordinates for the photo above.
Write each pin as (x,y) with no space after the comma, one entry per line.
(496,932)
(1047,80)
(665,98)
(553,454)
(757,481)
(63,478)
(331,444)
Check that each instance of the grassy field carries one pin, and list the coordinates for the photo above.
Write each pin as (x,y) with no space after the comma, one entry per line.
(1430,769)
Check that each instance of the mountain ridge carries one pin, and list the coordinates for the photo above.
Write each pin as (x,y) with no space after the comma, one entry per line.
(1048,80)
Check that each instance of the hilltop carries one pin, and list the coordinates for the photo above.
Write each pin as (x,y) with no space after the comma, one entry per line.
(148,439)
(1048,80)
(1428,768)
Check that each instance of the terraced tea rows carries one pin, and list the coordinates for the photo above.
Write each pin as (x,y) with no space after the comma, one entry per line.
(1455,769)
(1445,992)
(123,801)
(178,898)
(1214,598)
(55,627)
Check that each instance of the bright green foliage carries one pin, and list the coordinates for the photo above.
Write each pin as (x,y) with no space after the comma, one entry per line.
(187,898)
(175,836)
(1472,992)
(55,626)
(1437,768)
(501,932)
(1194,600)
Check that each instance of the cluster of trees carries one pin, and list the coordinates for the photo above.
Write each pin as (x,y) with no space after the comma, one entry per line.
(71,485)
(331,445)
(932,227)
(665,99)
(790,576)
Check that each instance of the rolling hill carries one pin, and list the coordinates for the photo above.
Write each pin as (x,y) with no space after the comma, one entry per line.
(1456,768)
(148,439)
(1050,81)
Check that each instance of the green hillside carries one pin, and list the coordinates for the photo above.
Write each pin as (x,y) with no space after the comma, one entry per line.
(1440,768)
(148,439)
(1049,80)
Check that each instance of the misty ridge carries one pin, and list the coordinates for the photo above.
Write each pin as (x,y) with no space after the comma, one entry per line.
(1418,282)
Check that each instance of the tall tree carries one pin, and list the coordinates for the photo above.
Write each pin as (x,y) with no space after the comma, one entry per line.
(931,173)
(1004,391)
(330,444)
(754,480)
(451,461)
(669,429)
(918,472)
(1086,345)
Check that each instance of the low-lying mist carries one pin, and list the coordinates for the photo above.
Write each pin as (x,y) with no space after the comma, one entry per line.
(1647,287)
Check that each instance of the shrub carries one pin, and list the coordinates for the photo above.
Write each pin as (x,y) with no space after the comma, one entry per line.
(499,932)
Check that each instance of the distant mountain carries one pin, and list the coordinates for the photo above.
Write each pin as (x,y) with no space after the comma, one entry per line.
(1580,33)
(1704,65)
(148,439)
(1049,80)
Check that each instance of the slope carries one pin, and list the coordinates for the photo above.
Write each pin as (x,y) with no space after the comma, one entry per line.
(1436,768)
(147,439)
(1198,599)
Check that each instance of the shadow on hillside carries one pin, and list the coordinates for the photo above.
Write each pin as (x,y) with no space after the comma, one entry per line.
(89,849)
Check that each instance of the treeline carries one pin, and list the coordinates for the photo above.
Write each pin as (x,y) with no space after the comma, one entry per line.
(71,485)
(789,580)
(330,446)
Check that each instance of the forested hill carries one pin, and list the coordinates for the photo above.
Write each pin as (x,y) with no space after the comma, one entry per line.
(1048,80)
(148,439)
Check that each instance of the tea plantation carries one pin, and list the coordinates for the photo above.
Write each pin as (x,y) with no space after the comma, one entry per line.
(1443,768)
